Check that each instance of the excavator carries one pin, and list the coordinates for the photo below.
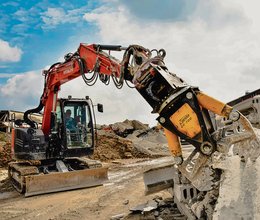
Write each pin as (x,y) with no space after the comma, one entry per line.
(52,158)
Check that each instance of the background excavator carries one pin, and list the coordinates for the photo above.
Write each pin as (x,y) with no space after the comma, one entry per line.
(50,159)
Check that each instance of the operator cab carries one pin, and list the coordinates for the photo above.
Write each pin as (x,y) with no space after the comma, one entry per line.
(74,119)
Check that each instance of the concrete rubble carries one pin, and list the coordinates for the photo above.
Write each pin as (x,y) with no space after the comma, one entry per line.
(239,195)
(127,127)
(157,208)
(118,216)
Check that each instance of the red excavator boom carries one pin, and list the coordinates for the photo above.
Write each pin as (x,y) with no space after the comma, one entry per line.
(87,59)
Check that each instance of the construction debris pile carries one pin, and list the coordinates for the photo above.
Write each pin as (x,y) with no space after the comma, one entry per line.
(157,208)
(130,139)
(5,149)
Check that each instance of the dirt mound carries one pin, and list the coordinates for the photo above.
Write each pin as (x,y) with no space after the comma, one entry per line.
(111,146)
(130,139)
(5,149)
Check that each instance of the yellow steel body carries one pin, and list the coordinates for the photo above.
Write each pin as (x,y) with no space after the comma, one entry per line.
(213,105)
(173,143)
(186,121)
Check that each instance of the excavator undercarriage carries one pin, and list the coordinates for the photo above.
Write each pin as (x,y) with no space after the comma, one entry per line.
(32,178)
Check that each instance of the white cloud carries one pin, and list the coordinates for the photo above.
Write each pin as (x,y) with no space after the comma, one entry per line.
(55,16)
(212,50)
(22,15)
(8,53)
(22,91)
(119,104)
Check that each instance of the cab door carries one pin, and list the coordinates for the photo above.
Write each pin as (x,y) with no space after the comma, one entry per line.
(78,129)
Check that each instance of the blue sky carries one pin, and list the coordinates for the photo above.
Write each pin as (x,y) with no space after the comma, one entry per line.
(45,30)
(40,30)
(212,44)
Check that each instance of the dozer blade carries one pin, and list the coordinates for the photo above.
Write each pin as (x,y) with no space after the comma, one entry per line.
(55,182)
(159,178)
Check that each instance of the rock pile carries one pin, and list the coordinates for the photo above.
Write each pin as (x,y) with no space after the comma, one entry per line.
(127,127)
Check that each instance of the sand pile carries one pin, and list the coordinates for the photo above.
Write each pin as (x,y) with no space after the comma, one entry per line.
(111,146)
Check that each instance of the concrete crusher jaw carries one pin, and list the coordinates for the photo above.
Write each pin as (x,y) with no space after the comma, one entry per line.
(35,179)
(218,185)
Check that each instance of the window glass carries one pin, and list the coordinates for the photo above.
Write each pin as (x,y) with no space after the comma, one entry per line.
(58,113)
(78,125)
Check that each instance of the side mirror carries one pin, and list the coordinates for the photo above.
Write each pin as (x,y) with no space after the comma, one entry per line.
(100,107)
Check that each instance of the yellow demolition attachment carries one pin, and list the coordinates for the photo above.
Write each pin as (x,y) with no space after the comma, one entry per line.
(186,120)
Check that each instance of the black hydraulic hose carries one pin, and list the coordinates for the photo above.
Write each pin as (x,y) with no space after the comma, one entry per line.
(92,80)
(127,83)
(104,79)
(108,47)
(26,119)
(54,65)
(28,112)
(117,83)
(82,66)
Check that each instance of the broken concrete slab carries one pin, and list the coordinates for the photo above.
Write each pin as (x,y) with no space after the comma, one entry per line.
(153,210)
(151,205)
(242,178)
(118,216)
(138,209)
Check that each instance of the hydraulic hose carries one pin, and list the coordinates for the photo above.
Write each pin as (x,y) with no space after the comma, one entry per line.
(28,112)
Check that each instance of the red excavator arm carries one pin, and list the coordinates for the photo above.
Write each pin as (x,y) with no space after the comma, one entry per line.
(87,59)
